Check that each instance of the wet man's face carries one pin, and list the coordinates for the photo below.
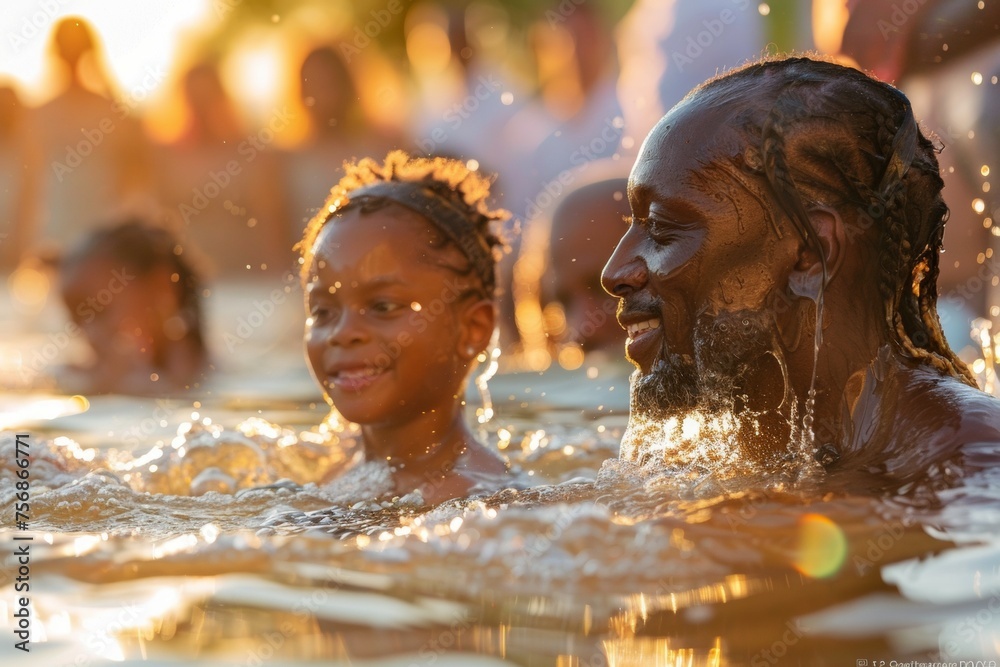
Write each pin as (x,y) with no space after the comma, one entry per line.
(699,264)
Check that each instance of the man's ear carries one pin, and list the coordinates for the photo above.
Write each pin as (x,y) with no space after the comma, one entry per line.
(479,319)
(807,275)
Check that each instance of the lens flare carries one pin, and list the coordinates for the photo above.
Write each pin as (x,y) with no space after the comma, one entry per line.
(822,547)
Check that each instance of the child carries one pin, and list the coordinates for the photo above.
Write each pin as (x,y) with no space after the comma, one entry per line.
(137,300)
(398,271)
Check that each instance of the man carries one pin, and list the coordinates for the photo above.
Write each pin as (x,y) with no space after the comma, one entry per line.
(777,283)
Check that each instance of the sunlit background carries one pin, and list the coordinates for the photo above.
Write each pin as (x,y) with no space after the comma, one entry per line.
(137,37)
(548,96)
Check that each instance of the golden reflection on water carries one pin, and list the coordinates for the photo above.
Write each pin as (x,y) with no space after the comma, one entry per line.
(660,652)
(15,411)
(638,607)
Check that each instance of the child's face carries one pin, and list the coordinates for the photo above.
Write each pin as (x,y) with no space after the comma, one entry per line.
(385,334)
(113,307)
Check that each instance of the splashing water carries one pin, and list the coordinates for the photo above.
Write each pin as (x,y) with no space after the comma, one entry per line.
(262,542)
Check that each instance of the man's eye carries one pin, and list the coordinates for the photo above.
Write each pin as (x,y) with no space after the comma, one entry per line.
(661,230)
(668,230)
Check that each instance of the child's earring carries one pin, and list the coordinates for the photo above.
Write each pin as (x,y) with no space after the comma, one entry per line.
(470,351)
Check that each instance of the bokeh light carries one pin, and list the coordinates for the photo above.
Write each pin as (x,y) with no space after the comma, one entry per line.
(821,548)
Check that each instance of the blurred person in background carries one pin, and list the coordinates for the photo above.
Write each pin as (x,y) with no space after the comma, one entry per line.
(132,292)
(19,173)
(337,131)
(466,87)
(224,182)
(572,344)
(667,47)
(577,71)
(94,155)
(584,233)
(471,102)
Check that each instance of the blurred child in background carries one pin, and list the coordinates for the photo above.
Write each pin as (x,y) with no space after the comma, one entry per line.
(133,294)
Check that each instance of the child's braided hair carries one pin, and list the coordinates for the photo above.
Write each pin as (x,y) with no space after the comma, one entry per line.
(448,193)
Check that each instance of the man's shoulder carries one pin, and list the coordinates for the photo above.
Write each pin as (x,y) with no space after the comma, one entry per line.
(945,407)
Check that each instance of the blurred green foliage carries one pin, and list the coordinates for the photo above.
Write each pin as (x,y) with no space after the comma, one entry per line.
(239,15)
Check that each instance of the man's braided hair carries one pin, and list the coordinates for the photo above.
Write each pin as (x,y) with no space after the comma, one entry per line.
(449,192)
(824,134)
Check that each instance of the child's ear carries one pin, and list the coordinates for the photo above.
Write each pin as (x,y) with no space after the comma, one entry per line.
(476,328)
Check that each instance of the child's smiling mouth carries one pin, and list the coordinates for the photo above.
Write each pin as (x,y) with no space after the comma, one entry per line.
(355,378)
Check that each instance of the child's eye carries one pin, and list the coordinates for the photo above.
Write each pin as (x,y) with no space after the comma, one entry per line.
(385,306)
(320,313)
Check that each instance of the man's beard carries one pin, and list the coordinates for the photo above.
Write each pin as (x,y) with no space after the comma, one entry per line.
(720,410)
(726,347)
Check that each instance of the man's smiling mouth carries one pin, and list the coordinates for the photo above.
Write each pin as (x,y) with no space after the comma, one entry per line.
(639,327)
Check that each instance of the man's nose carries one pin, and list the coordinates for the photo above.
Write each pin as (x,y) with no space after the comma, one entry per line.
(626,270)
